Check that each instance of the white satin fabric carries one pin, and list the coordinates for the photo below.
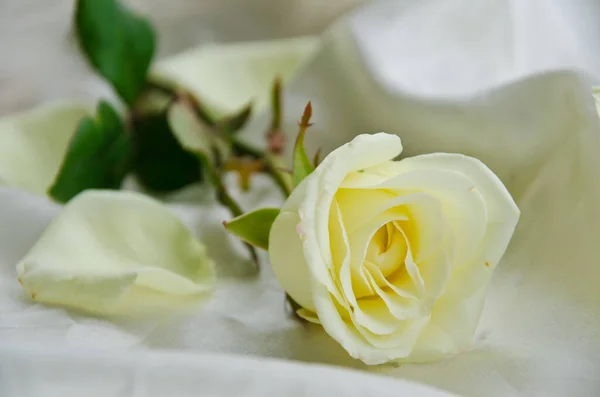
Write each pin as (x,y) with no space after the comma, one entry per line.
(507,81)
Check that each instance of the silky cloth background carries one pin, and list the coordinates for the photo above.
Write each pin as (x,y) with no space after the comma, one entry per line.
(41,61)
(506,81)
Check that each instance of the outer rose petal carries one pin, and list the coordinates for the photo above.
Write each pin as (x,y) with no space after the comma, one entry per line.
(33,144)
(456,314)
(351,340)
(502,212)
(285,250)
(112,251)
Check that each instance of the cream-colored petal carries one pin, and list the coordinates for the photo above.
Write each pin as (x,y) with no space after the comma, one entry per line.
(287,259)
(309,316)
(452,325)
(352,280)
(398,305)
(395,251)
(227,76)
(462,204)
(412,269)
(347,335)
(456,314)
(435,272)
(500,206)
(362,177)
(427,228)
(334,324)
(403,286)
(365,313)
(422,224)
(108,249)
(359,240)
(313,197)
(371,314)
(427,222)
(355,212)
(33,144)
(399,343)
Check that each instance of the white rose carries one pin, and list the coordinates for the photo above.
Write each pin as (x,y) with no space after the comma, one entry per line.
(393,258)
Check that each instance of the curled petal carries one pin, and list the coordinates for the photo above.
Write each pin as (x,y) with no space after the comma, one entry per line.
(500,207)
(110,252)
(462,203)
(399,306)
(456,313)
(227,76)
(285,253)
(360,344)
(319,190)
(33,144)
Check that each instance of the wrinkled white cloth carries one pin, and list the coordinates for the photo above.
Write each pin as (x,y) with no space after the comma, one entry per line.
(51,373)
(506,81)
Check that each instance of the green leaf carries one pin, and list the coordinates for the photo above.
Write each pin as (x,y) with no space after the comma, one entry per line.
(254,227)
(98,156)
(302,164)
(118,43)
(160,163)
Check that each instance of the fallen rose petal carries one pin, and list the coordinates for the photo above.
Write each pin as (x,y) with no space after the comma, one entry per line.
(33,143)
(111,252)
(226,77)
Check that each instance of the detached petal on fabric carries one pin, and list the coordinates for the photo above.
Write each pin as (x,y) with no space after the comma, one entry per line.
(113,252)
(226,77)
(33,144)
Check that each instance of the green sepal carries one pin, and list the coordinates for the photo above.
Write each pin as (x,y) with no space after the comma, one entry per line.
(254,227)
(302,166)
